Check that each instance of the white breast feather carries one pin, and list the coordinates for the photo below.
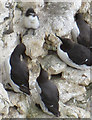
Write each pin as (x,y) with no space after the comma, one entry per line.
(39,101)
(31,22)
(8,69)
(75,32)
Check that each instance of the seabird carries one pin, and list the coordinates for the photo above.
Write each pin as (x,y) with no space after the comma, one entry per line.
(48,94)
(74,54)
(84,37)
(17,70)
(31,20)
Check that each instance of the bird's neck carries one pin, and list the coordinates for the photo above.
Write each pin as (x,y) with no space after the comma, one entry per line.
(42,78)
(65,48)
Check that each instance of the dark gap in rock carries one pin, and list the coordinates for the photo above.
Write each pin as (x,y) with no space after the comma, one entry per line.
(6,18)
(9,84)
(9,90)
(8,87)
(51,52)
(69,101)
(38,106)
(89,91)
(56,76)
(15,107)
(8,32)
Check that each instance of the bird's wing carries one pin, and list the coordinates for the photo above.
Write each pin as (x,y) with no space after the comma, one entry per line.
(20,75)
(79,54)
(50,94)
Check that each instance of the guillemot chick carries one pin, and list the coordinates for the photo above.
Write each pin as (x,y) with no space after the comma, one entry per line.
(48,94)
(31,20)
(74,54)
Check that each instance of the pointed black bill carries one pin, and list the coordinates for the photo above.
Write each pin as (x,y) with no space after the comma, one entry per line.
(59,37)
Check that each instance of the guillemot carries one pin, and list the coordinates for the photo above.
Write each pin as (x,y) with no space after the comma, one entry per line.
(48,94)
(17,70)
(84,32)
(74,54)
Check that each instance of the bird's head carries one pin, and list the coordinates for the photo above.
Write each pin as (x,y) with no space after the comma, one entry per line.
(66,44)
(43,73)
(20,49)
(78,16)
(30,12)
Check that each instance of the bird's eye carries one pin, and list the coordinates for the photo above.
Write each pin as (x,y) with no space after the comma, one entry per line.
(33,15)
(51,105)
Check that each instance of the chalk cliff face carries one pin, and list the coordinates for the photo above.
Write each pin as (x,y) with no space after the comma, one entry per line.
(74,85)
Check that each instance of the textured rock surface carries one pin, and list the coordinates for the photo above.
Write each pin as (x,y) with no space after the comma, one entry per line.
(77,76)
(53,64)
(74,85)
(4,101)
(34,46)
(67,91)
(21,103)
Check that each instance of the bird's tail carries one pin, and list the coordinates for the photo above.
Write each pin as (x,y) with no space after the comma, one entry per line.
(25,89)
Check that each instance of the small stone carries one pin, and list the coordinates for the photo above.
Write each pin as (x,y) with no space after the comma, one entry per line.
(52,42)
(53,64)
(34,46)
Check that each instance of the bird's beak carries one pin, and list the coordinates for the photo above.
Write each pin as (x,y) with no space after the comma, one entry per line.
(59,37)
